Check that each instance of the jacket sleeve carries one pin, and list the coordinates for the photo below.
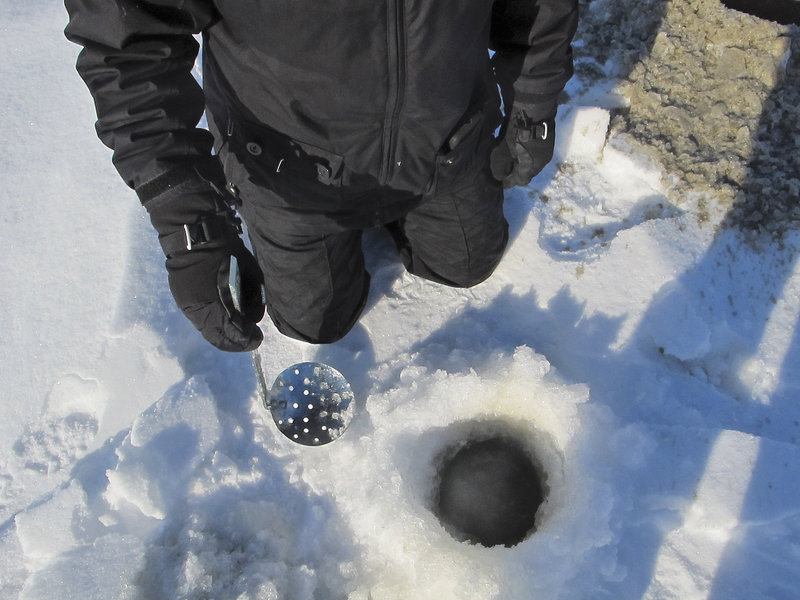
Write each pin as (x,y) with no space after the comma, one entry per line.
(533,52)
(137,61)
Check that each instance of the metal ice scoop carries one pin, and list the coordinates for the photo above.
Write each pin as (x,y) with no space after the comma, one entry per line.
(311,403)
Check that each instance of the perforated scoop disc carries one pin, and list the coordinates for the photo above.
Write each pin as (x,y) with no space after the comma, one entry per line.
(311,403)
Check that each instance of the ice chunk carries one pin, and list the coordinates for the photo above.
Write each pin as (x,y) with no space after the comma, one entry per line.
(581,134)
(167,442)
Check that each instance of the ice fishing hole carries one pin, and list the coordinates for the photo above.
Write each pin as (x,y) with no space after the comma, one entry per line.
(488,491)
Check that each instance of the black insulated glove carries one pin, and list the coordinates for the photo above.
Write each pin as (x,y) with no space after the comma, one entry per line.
(524,150)
(199,233)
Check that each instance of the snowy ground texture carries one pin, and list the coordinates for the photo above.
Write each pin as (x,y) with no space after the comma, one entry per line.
(634,338)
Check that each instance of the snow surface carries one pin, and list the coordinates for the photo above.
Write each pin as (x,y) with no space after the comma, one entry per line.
(641,353)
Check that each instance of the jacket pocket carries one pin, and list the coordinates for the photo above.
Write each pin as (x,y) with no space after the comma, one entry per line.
(272,156)
(465,150)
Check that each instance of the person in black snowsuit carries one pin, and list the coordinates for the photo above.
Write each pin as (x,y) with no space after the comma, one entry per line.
(325,119)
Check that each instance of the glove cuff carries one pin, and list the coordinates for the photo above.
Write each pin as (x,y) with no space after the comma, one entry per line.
(525,128)
(190,207)
(201,176)
(217,229)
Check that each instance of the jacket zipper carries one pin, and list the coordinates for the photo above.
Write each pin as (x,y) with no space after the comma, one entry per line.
(396,58)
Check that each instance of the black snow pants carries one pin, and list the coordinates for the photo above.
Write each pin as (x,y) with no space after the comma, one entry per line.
(307,238)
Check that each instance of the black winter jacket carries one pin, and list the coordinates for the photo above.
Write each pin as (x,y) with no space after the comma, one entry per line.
(366,87)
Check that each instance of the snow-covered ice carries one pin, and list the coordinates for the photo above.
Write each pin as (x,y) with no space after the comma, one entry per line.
(642,353)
